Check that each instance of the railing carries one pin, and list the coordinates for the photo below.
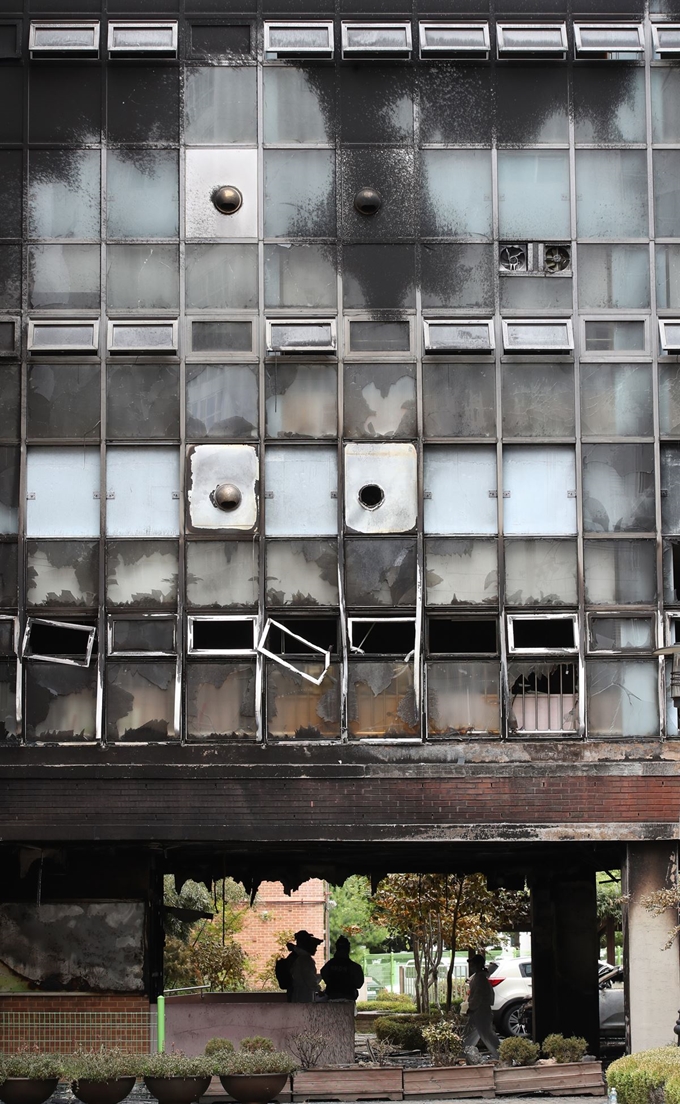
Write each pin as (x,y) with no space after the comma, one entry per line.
(66,1031)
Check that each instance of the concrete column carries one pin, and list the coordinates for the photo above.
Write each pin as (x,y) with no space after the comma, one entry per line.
(652,973)
(564,953)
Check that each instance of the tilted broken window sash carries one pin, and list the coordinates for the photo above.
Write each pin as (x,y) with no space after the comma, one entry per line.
(262,650)
(9,634)
(531,40)
(301,335)
(72,38)
(537,335)
(296,39)
(666,39)
(232,635)
(360,628)
(58,635)
(454,40)
(609,40)
(150,634)
(542,633)
(158,338)
(158,38)
(453,335)
(376,40)
(611,633)
(669,335)
(60,336)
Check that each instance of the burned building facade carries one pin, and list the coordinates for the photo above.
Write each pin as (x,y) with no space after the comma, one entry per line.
(340,415)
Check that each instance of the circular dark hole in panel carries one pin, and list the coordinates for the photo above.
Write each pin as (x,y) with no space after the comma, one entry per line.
(226,497)
(367,201)
(227,199)
(371,496)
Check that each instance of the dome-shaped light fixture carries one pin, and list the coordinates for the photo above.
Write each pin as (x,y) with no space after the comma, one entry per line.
(367,201)
(226,497)
(227,199)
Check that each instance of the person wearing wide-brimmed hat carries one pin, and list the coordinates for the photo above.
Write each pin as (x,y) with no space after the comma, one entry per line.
(303,976)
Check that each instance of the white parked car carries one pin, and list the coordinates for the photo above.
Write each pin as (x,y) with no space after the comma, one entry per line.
(511,980)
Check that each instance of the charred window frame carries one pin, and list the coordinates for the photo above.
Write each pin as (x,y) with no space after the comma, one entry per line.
(10,336)
(301,336)
(116,626)
(299,39)
(617,633)
(380,334)
(230,635)
(558,631)
(65,39)
(531,40)
(291,640)
(10,635)
(458,40)
(52,642)
(390,40)
(131,39)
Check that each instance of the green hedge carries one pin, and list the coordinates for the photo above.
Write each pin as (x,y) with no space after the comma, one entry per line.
(406,1032)
(638,1078)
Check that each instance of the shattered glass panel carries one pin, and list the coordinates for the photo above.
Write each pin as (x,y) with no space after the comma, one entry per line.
(380,400)
(609,104)
(220,105)
(611,194)
(221,401)
(142,193)
(457,194)
(221,574)
(541,481)
(299,193)
(220,701)
(538,400)
(616,400)
(60,702)
(381,700)
(618,488)
(140,701)
(63,276)
(667,276)
(531,105)
(298,709)
(459,400)
(62,573)
(142,277)
(533,194)
(300,275)
(64,194)
(613,276)
(8,574)
(623,698)
(380,572)
(463,698)
(221,277)
(543,698)
(142,574)
(540,573)
(302,573)
(299,105)
(8,721)
(620,572)
(665,105)
(457,276)
(301,400)
(666,193)
(142,400)
(471,469)
(621,633)
(63,400)
(461,572)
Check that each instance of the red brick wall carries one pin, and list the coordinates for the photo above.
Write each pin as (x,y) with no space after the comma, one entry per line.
(273,913)
(64,1021)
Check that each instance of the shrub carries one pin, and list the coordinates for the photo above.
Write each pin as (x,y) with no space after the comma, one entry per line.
(33,1062)
(404,1034)
(175,1063)
(308,1046)
(386,1006)
(570,1049)
(443,1042)
(217,1045)
(258,1061)
(402,999)
(518,1051)
(638,1077)
(256,1043)
(102,1064)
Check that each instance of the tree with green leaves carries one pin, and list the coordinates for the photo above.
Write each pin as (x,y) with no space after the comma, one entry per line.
(351,915)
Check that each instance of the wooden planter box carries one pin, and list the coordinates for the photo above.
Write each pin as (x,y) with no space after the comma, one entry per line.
(359,1083)
(568,1079)
(457,1081)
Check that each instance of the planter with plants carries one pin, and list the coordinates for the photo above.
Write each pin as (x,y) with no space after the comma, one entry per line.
(445,1076)
(175,1079)
(564,1072)
(103,1076)
(255,1073)
(349,1083)
(30,1076)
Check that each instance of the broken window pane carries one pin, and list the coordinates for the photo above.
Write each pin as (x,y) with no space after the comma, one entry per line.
(220,701)
(471,469)
(221,574)
(380,572)
(538,400)
(620,572)
(299,105)
(461,572)
(540,573)
(379,337)
(63,276)
(618,488)
(380,400)
(146,507)
(64,194)
(142,574)
(142,400)
(301,400)
(302,573)
(64,400)
(8,574)
(143,634)
(528,633)
(613,276)
(610,104)
(459,400)
(623,698)
(462,635)
(543,698)
(457,276)
(300,275)
(379,276)
(221,635)
(140,701)
(142,277)
(9,401)
(615,337)
(463,698)
(221,277)
(297,708)
(666,193)
(299,193)
(541,482)
(616,400)
(303,483)
(62,573)
(533,194)
(8,720)
(220,105)
(381,700)
(60,702)
(382,636)
(611,194)
(609,634)
(62,490)
(221,401)
(142,193)
(457,194)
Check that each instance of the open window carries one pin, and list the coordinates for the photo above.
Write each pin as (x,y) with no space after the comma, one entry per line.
(669,335)
(58,642)
(128,39)
(462,636)
(57,336)
(542,633)
(609,41)
(666,39)
(299,39)
(458,336)
(461,40)
(151,338)
(613,633)
(79,39)
(527,40)
(222,636)
(382,636)
(538,335)
(376,40)
(9,635)
(288,638)
(543,698)
(308,335)
(150,634)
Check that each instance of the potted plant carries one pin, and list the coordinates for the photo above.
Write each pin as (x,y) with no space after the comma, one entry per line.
(30,1076)
(256,1073)
(566,1075)
(175,1079)
(103,1076)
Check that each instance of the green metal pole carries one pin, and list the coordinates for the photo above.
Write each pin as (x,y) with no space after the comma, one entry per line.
(391,971)
(160,1024)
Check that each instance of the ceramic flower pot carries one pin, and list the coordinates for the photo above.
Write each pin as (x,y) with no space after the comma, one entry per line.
(177,1090)
(103,1092)
(27,1090)
(254,1088)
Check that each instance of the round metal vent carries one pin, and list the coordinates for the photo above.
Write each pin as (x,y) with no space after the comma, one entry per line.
(371,496)
(513,258)
(367,201)
(226,497)
(557,258)
(227,199)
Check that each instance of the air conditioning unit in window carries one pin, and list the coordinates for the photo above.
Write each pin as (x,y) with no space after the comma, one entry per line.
(376,40)
(299,39)
(71,39)
(301,335)
(534,258)
(58,336)
(126,38)
(516,40)
(157,338)
(454,335)
(454,40)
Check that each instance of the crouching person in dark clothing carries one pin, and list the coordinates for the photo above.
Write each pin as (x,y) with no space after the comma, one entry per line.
(342,976)
(479,1017)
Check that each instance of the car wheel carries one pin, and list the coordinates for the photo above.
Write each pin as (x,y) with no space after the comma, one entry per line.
(512,1022)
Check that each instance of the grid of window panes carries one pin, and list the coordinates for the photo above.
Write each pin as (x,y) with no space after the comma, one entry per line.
(427,544)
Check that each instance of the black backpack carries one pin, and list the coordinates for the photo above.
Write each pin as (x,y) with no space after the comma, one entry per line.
(282,969)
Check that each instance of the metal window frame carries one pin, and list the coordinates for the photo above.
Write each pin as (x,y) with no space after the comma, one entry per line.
(118,24)
(280,350)
(25,644)
(481,51)
(615,354)
(541,733)
(16,634)
(91,348)
(511,618)
(16,322)
(380,354)
(261,650)
(664,343)
(143,350)
(619,615)
(357,650)
(657,44)
(566,349)
(588,51)
(503,50)
(38,25)
(194,651)
(202,355)
(113,619)
(349,51)
(16,23)
(468,615)
(432,323)
(299,51)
